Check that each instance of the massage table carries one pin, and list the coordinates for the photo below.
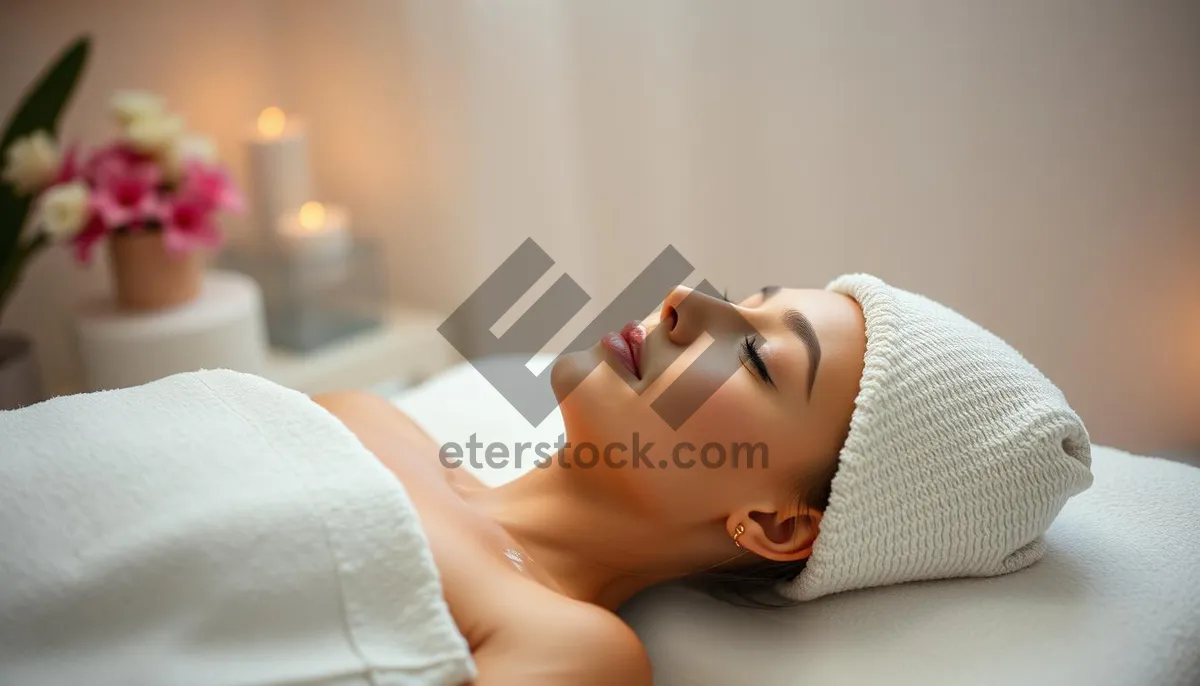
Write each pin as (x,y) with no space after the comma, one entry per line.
(1114,602)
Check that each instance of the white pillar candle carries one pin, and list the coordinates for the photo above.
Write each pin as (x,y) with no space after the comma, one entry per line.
(279,177)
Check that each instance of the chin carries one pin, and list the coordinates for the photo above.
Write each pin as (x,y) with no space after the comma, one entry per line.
(569,371)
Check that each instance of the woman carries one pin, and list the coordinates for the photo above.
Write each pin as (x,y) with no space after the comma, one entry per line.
(883,438)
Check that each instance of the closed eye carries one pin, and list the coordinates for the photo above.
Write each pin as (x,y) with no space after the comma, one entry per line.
(749,346)
(749,349)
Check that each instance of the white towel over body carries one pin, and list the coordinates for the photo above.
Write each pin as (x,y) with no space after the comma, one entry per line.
(215,529)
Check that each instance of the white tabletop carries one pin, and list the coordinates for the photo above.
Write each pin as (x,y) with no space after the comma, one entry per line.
(404,349)
(224,296)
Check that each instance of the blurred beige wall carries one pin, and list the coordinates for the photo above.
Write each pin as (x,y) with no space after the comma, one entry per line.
(1035,165)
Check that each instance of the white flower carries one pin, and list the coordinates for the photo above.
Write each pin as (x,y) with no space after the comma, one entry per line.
(188,147)
(130,106)
(154,133)
(32,162)
(62,210)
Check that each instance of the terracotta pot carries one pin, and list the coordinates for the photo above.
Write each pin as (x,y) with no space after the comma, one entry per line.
(148,277)
(20,380)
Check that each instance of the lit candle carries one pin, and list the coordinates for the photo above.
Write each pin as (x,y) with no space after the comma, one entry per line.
(315,232)
(279,178)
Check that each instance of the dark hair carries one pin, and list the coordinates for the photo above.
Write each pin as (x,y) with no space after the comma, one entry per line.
(754,585)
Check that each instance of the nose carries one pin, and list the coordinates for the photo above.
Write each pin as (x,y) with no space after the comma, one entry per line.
(687,313)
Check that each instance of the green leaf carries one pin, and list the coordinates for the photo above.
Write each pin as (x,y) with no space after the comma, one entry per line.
(10,273)
(40,108)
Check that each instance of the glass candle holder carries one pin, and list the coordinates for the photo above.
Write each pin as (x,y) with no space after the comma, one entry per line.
(313,300)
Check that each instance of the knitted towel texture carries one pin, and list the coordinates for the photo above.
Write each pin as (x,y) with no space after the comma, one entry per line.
(960,453)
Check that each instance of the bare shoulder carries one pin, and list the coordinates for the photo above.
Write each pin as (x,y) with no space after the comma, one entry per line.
(392,435)
(369,410)
(563,642)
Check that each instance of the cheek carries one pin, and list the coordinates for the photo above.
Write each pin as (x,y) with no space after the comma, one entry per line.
(710,462)
(735,413)
(603,409)
(692,383)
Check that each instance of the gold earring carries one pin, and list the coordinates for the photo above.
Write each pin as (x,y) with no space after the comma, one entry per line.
(738,532)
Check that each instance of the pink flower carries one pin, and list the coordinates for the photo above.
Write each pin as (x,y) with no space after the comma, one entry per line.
(188,221)
(85,241)
(112,159)
(210,185)
(70,169)
(128,192)
(124,187)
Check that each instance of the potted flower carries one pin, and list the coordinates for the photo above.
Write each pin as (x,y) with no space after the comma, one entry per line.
(153,193)
(30,163)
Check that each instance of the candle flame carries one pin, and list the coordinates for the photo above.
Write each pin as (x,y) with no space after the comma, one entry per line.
(271,122)
(312,216)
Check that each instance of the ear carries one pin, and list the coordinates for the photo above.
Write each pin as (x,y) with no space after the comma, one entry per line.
(782,536)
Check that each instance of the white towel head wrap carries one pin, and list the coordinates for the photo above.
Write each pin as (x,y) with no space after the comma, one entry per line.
(960,453)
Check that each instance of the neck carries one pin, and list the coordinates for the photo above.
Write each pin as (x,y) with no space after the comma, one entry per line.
(592,542)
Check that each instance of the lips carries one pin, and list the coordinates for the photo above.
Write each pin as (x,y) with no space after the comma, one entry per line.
(626,346)
(635,334)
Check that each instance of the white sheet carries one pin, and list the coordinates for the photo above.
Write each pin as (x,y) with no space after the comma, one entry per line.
(1115,601)
(212,529)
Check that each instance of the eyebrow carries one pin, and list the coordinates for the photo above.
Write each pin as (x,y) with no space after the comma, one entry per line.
(798,324)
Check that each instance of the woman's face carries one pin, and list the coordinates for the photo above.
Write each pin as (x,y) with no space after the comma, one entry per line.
(742,403)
